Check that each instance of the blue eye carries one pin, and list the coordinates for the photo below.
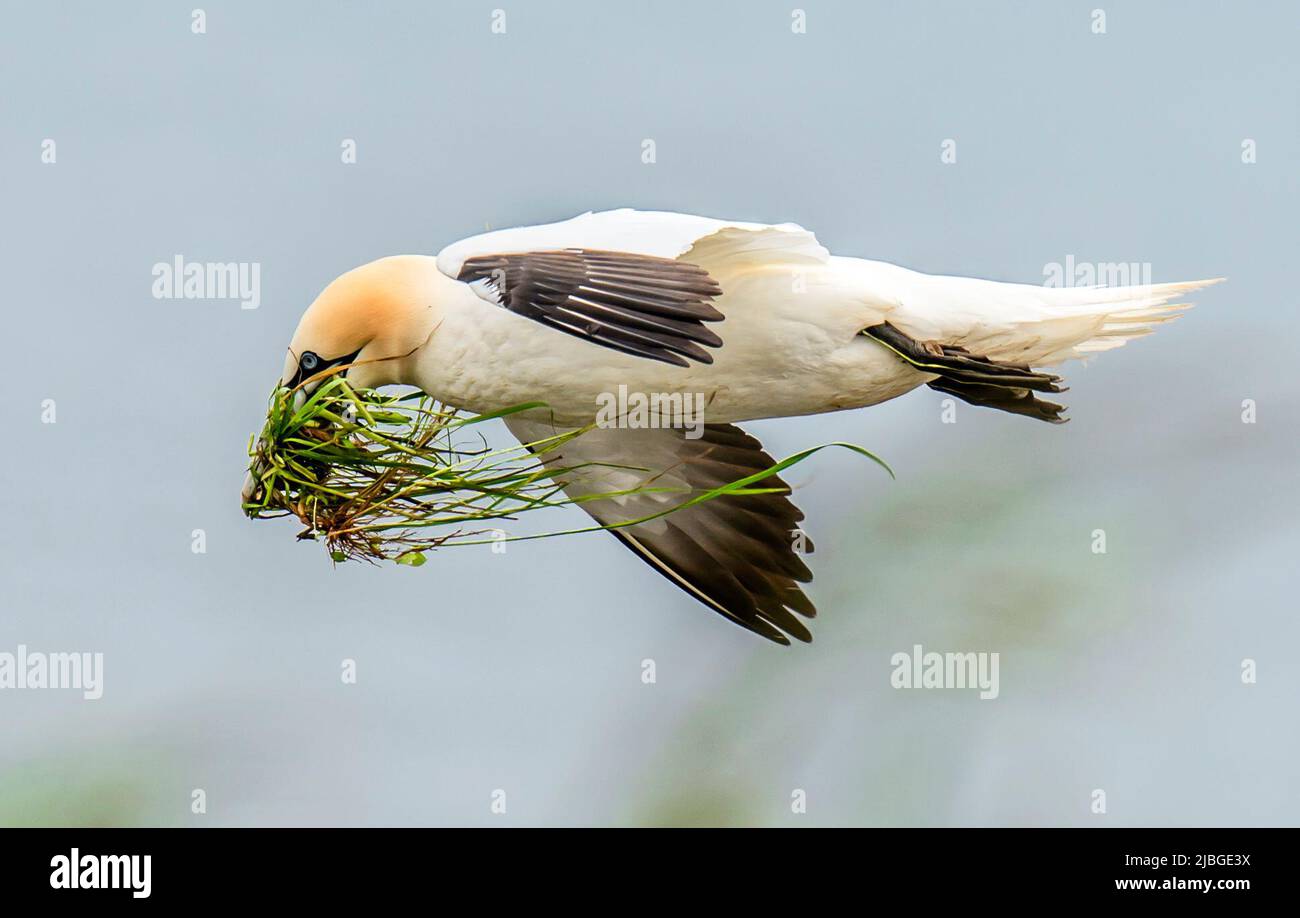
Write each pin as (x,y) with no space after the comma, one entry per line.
(309,361)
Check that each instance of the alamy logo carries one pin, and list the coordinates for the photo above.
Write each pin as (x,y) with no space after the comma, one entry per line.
(212,280)
(932,670)
(1071,273)
(102,871)
(653,411)
(36,670)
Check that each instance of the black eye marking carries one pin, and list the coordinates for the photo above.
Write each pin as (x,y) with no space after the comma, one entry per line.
(311,363)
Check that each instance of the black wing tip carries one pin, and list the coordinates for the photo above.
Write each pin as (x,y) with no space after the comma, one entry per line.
(801,634)
(777,634)
(775,623)
(673,358)
(642,305)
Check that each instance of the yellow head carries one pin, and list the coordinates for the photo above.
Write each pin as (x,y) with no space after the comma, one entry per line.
(371,320)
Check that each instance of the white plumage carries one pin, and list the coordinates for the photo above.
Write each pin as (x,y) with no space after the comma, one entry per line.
(746,319)
(794,314)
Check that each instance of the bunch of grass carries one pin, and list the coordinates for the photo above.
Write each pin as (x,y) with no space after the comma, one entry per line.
(378,476)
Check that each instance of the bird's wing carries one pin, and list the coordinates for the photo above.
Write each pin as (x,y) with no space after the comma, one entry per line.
(641,282)
(638,304)
(739,555)
(643,232)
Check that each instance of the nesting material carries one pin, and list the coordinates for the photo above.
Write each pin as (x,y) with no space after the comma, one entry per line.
(379,476)
(376,476)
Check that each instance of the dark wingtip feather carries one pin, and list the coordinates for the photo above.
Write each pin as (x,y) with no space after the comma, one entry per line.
(639,304)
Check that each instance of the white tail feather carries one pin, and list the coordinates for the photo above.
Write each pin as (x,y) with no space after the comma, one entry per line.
(1020,323)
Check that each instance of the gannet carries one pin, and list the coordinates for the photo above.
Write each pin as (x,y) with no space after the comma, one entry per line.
(751,320)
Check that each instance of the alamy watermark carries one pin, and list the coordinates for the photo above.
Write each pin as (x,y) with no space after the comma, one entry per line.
(75,870)
(1072,273)
(211,280)
(932,670)
(652,411)
(35,670)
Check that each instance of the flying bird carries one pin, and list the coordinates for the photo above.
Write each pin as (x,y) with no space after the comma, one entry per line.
(752,320)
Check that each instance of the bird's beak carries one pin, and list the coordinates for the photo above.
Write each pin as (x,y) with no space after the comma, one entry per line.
(252,490)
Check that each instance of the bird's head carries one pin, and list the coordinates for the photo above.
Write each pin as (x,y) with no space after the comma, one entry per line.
(369,321)
(368,324)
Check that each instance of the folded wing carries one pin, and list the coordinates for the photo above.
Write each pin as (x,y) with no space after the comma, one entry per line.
(638,304)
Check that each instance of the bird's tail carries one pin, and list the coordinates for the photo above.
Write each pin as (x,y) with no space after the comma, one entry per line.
(1033,325)
(981,339)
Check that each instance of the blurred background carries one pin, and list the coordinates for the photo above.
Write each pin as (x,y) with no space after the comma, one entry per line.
(522,671)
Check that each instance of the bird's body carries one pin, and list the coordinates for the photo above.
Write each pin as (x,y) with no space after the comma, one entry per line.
(746,320)
(784,355)
(794,316)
